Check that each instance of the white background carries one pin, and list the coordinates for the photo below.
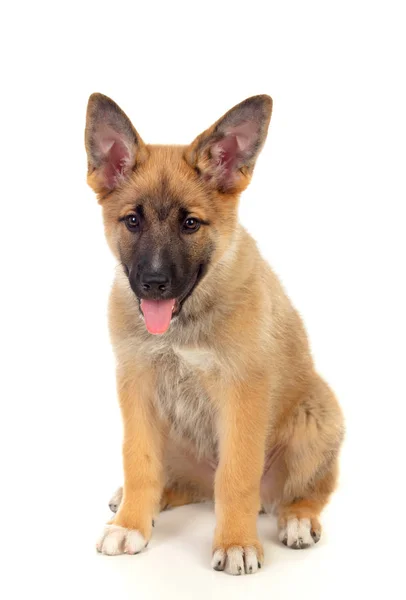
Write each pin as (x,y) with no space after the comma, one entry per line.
(327,208)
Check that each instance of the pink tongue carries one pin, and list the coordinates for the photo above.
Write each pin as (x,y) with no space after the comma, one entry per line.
(157,314)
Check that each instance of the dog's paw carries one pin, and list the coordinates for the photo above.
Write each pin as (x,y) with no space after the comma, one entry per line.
(118,540)
(299,534)
(236,560)
(115,500)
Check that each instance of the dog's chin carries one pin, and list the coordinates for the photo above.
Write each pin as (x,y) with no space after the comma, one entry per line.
(179,302)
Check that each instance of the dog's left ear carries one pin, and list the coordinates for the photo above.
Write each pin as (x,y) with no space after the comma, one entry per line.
(113,145)
(225,154)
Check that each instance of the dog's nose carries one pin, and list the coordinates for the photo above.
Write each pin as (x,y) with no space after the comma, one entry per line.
(155,282)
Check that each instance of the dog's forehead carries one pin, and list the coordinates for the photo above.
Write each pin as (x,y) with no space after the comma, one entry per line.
(164,187)
(164,198)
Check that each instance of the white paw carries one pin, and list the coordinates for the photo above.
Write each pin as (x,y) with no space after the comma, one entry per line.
(236,560)
(115,500)
(118,540)
(298,534)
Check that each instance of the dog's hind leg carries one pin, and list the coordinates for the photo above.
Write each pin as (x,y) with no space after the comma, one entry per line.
(304,474)
(179,496)
(171,497)
(298,521)
(311,460)
(115,500)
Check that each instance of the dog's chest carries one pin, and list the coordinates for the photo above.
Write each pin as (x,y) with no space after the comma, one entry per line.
(182,400)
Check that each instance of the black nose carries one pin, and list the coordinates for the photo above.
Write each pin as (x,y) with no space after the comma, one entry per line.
(154,282)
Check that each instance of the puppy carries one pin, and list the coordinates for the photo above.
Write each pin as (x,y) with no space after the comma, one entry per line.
(217,389)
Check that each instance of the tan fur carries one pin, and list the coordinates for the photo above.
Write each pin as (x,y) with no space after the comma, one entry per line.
(230,384)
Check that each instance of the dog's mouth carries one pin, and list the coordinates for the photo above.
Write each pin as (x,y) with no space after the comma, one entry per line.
(158,314)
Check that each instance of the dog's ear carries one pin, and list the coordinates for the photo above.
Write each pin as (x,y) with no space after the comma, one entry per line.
(225,154)
(112,144)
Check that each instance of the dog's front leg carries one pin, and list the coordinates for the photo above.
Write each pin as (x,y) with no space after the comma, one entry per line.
(242,433)
(131,527)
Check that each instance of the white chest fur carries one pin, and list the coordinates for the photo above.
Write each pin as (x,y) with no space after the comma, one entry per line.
(183,401)
(198,358)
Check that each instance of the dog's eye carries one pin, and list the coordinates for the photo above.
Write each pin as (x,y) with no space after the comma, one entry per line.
(190,225)
(132,222)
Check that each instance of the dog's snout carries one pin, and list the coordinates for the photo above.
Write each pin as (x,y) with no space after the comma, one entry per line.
(154,281)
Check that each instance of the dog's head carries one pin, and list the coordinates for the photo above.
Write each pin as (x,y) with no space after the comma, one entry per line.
(170,211)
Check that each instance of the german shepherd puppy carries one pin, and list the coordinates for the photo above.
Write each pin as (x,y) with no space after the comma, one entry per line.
(216,384)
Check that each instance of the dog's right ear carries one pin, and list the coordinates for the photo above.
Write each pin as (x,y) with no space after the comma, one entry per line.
(113,146)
